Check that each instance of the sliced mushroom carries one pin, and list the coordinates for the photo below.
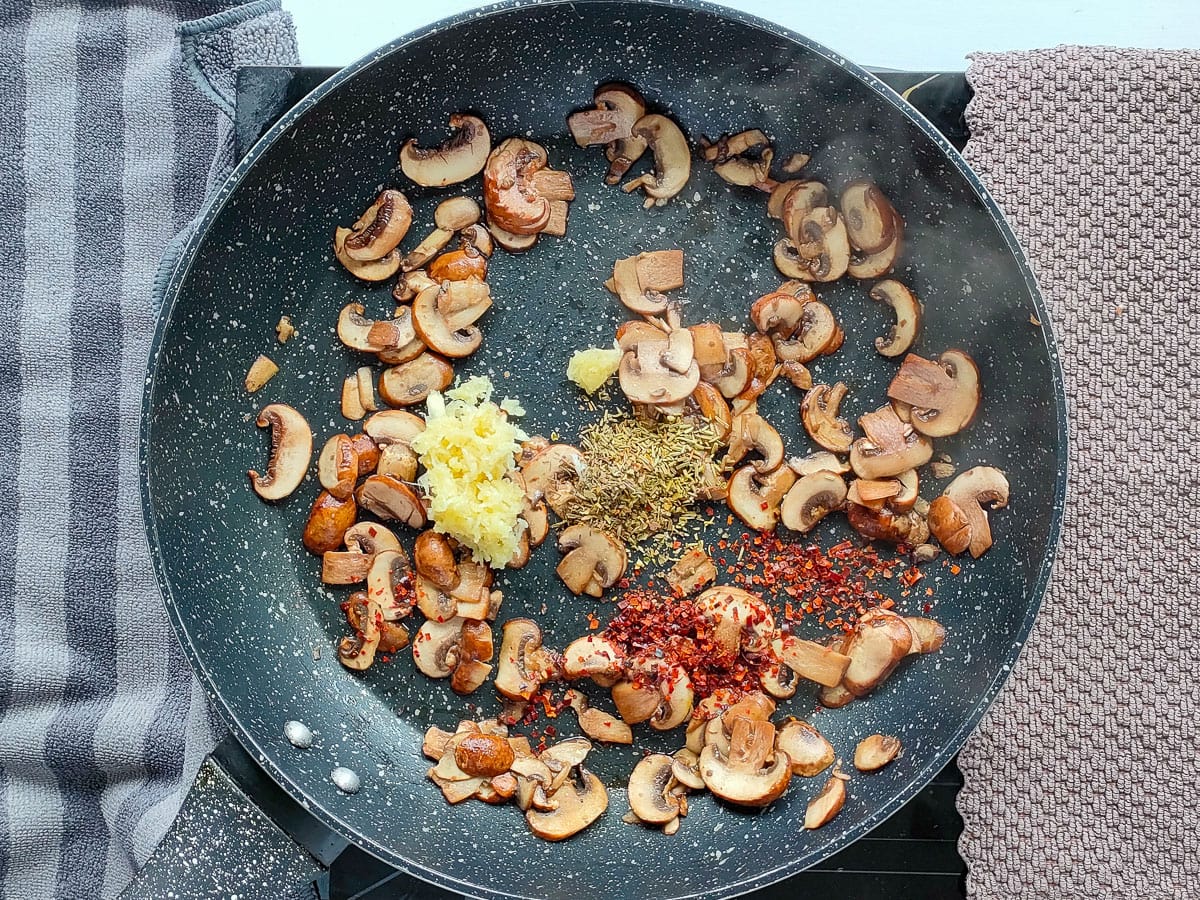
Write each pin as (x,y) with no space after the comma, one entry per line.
(328,520)
(390,583)
(456,159)
(393,426)
(889,447)
(474,657)
(672,160)
(436,647)
(411,382)
(944,395)
(556,225)
(752,774)
(869,217)
(788,261)
(291,451)
(551,474)
(524,665)
(358,652)
(751,433)
(739,619)
(391,499)
(650,785)
(352,407)
(431,245)
(691,572)
(885,524)
(818,461)
(372,270)
(372,335)
(908,309)
(879,263)
(819,412)
(777,679)
(743,159)
(810,753)
(456,265)
(579,804)
(827,804)
(433,555)
(686,769)
(477,240)
(811,498)
(879,641)
(595,657)
(928,634)
(513,243)
(639,281)
(337,466)
(873,493)
(393,637)
(778,314)
(380,229)
(344,567)
(441,334)
(622,152)
(969,491)
(636,701)
(262,370)
(817,334)
(801,199)
(399,461)
(710,404)
(594,560)
(597,724)
(822,244)
(510,195)
(735,375)
(875,752)
(675,685)
(456,213)
(371,538)
(645,376)
(708,347)
(834,697)
(435,604)
(755,498)
(816,662)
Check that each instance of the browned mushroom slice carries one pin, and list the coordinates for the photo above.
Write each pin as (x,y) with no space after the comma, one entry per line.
(753,773)
(372,335)
(456,265)
(879,641)
(873,493)
(595,657)
(556,225)
(817,334)
(435,604)
(708,346)
(678,695)
(672,160)
(885,524)
(789,262)
(433,555)
(434,744)
(645,376)
(735,375)
(513,243)
(691,572)
(969,492)
(390,583)
(474,658)
(807,749)
(812,498)
(907,307)
(523,664)
(512,201)
(454,160)
(328,520)
(639,281)
(291,451)
(551,474)
(337,466)
(827,804)
(636,701)
(343,567)
(358,651)
(822,244)
(578,805)
(709,404)
(483,755)
(755,498)
(594,560)
(777,679)
(650,795)
(399,461)
(751,433)
(928,634)
(875,752)
(371,538)
(436,647)
(592,127)
(909,493)
(739,620)
(813,661)
(801,199)
(763,370)
(944,395)
(368,453)
(869,217)
(875,265)
(391,499)
(743,159)
(454,334)
(457,213)
(597,724)
(623,152)
(819,412)
(411,382)
(818,461)
(778,314)
(371,270)
(380,229)
(393,426)
(834,697)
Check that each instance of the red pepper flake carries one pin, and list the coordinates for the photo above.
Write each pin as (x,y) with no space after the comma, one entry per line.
(955,569)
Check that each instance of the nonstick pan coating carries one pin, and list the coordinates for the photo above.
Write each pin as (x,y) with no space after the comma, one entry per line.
(247,599)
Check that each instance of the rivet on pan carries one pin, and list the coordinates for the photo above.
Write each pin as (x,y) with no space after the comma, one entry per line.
(299,734)
(347,780)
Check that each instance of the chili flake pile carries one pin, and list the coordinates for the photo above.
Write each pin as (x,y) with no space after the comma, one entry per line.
(832,586)
(642,478)
(672,630)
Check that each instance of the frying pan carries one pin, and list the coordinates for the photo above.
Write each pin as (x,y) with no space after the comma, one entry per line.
(246,599)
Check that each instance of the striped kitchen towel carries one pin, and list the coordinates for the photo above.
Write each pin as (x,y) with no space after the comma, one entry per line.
(108,136)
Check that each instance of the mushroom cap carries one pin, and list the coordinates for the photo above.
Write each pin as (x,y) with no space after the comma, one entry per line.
(580,803)
(879,641)
(512,201)
(875,752)
(457,213)
(436,647)
(819,412)
(686,769)
(807,749)
(291,452)
(811,498)
(908,309)
(390,498)
(755,498)
(456,159)
(827,804)
(928,634)
(328,521)
(337,466)
(735,374)
(434,557)
(650,795)
(801,198)
(944,395)
(969,491)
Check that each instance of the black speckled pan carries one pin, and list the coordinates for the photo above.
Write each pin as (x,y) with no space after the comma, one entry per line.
(245,597)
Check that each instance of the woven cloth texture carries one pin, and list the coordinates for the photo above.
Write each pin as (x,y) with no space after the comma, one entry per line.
(1083,779)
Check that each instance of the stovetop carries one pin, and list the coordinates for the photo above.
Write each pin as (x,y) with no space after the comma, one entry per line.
(911,856)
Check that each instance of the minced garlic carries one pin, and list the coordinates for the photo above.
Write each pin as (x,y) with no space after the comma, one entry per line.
(467,448)
(592,367)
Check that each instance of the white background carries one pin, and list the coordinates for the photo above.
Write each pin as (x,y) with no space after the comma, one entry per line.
(898,34)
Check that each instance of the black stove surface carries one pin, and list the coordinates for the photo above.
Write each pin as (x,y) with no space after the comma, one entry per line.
(911,856)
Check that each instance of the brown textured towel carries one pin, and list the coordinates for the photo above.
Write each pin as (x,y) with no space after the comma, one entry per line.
(1084,779)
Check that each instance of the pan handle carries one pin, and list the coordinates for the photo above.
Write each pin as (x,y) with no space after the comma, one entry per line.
(225,844)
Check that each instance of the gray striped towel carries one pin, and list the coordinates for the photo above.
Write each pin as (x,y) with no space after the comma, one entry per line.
(107,145)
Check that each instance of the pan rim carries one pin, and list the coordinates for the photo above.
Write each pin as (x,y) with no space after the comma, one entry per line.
(216,203)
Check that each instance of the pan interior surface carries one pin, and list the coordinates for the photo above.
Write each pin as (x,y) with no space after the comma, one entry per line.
(247,598)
